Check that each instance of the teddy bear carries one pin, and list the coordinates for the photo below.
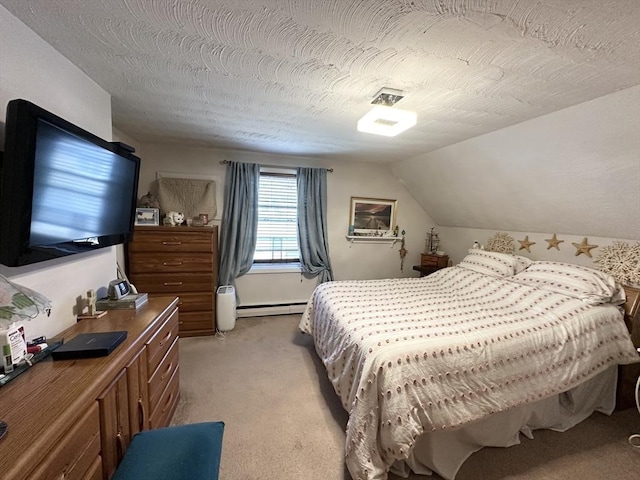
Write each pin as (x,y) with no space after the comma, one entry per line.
(174,218)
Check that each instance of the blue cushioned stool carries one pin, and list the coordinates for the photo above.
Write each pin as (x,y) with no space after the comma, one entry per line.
(183,452)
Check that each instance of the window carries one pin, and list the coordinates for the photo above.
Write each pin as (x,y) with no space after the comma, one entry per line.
(277,240)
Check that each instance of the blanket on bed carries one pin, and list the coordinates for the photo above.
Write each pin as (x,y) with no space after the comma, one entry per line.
(407,356)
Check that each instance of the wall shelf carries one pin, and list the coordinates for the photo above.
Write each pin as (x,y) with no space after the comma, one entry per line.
(365,239)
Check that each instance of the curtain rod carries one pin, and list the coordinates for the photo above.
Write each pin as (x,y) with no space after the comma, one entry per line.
(227,162)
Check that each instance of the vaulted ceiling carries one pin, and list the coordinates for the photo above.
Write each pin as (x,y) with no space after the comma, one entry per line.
(294,76)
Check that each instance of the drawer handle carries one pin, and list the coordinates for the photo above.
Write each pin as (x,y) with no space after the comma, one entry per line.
(172,264)
(142,417)
(169,402)
(167,371)
(172,284)
(120,446)
(172,243)
(167,337)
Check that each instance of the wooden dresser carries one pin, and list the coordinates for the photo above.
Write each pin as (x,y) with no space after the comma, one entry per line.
(179,261)
(74,419)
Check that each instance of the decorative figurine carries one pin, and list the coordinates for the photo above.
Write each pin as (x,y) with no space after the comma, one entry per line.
(433,241)
(91,302)
(92,310)
(403,252)
(148,201)
(174,218)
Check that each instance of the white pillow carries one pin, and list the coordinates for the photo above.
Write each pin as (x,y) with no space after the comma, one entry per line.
(589,285)
(489,263)
(522,263)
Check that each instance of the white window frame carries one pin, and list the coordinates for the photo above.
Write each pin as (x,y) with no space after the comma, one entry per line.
(293,266)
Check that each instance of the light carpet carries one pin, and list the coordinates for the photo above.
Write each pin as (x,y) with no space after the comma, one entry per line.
(285,422)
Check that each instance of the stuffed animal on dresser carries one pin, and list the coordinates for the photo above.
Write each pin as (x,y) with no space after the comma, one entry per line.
(174,218)
(148,201)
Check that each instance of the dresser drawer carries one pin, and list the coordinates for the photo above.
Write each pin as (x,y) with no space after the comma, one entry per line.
(173,283)
(434,260)
(171,240)
(76,452)
(161,416)
(160,378)
(170,262)
(95,471)
(160,343)
(196,302)
(197,323)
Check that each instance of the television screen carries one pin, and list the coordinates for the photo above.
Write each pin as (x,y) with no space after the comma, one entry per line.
(64,190)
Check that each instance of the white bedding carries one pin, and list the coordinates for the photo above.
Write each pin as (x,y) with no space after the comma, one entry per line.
(439,352)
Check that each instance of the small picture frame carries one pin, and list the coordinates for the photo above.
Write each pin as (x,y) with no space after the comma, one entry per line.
(147,216)
(372,216)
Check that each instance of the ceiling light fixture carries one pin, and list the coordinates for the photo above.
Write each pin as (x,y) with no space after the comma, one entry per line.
(385,120)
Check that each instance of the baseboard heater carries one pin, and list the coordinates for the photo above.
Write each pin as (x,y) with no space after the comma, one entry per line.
(270,309)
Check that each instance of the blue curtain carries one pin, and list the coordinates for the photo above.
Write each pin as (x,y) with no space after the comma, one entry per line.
(239,224)
(312,222)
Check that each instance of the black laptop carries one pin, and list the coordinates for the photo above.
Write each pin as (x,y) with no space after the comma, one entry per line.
(89,345)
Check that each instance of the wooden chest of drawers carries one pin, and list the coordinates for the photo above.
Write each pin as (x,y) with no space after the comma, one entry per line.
(180,261)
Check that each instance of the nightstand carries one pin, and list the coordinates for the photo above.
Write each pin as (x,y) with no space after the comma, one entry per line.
(628,374)
(430,262)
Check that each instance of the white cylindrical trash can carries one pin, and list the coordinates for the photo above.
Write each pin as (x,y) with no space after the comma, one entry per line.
(226,308)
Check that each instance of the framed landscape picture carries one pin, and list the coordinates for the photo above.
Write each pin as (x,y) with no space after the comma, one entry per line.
(372,216)
(147,216)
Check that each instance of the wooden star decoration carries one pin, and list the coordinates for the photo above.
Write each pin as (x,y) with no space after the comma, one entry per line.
(553,242)
(584,247)
(526,244)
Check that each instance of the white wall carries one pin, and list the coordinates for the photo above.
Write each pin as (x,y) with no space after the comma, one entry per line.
(348,179)
(31,69)
(575,171)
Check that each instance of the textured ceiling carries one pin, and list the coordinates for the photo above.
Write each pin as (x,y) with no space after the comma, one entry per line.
(294,76)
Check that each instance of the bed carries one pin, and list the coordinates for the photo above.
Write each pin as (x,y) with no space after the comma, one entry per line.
(432,369)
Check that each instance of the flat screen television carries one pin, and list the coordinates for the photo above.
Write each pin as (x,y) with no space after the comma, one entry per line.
(63,190)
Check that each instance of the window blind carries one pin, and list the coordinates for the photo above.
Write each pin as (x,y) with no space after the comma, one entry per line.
(277,239)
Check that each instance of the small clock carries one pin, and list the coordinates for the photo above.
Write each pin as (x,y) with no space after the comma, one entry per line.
(118,289)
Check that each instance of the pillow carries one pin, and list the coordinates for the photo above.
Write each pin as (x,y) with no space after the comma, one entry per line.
(489,263)
(522,263)
(591,286)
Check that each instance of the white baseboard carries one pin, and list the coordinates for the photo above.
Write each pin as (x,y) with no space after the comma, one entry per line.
(265,310)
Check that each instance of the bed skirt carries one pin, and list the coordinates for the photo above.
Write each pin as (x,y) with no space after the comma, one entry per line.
(444,452)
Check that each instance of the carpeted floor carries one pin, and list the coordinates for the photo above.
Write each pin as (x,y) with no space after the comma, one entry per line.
(285,422)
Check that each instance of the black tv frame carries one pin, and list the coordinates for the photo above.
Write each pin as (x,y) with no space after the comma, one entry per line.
(16,186)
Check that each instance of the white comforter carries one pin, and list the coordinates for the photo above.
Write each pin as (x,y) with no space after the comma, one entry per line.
(413,355)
